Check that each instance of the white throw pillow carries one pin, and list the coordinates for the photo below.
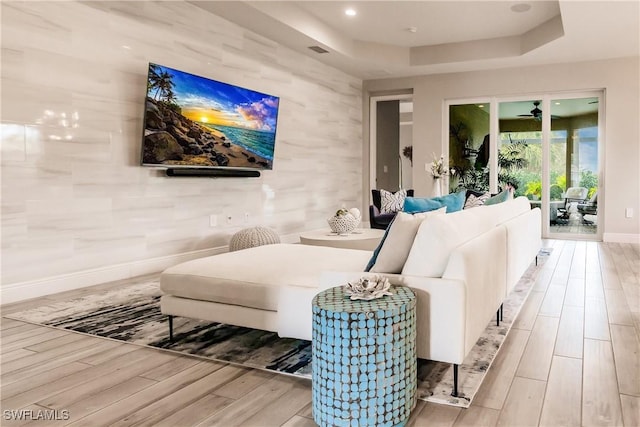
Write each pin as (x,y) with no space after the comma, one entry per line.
(474,202)
(392,202)
(398,240)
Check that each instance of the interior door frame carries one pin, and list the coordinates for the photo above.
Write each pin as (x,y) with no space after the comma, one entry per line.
(373,136)
(494,128)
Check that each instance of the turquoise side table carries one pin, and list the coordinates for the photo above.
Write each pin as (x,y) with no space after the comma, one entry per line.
(364,364)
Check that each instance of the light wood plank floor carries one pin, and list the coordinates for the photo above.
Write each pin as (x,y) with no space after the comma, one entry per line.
(572,359)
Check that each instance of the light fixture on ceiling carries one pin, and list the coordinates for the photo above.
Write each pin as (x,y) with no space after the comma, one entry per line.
(412,29)
(318,49)
(350,12)
(127,47)
(521,7)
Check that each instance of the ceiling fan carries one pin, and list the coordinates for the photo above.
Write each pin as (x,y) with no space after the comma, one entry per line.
(536,113)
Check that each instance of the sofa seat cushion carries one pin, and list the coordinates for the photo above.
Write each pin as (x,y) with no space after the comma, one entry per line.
(253,277)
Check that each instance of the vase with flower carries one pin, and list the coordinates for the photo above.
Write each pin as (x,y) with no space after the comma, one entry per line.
(438,171)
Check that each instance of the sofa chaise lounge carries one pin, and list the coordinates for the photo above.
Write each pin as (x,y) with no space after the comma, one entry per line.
(461,266)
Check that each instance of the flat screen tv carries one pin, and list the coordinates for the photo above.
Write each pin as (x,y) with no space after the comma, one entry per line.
(192,121)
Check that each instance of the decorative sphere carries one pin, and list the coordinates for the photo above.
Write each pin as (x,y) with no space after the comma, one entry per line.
(251,237)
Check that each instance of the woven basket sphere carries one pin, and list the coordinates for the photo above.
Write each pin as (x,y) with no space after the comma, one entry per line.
(251,237)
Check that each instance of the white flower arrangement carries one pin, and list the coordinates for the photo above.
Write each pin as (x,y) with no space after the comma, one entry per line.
(438,168)
(368,288)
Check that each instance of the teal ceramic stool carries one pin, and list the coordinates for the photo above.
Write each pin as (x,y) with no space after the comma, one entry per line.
(364,359)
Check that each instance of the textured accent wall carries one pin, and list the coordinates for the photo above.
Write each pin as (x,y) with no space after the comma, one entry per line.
(74,197)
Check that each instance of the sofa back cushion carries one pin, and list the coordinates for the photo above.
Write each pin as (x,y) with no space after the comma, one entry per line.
(510,209)
(441,235)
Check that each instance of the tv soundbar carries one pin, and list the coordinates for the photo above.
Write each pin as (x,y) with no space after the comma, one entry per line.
(212,173)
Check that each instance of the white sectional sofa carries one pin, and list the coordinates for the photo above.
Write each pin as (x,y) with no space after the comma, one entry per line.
(461,266)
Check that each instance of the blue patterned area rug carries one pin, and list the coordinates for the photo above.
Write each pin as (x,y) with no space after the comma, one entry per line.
(132,314)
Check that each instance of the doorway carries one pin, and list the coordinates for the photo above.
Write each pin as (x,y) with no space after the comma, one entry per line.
(391,142)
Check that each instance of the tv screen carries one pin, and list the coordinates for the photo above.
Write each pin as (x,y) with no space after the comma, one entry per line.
(192,121)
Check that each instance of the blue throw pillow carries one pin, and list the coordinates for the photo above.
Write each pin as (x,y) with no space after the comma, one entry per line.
(498,198)
(454,202)
(374,258)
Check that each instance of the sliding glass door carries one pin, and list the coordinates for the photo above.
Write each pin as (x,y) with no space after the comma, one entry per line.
(574,166)
(547,148)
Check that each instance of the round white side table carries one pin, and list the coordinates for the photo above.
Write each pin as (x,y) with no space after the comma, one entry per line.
(362,238)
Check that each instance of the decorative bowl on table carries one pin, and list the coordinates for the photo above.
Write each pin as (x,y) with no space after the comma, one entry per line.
(344,221)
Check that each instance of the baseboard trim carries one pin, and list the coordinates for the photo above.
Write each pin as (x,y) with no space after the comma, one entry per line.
(621,238)
(15,292)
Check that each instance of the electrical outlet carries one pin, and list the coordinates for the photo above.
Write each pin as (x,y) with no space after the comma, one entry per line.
(213,220)
(628,213)
(229,219)
(247,217)
(385,169)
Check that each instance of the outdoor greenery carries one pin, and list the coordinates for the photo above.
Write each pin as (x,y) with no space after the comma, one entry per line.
(520,166)
(512,159)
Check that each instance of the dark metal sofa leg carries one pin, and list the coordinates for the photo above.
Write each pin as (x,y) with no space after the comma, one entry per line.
(170,328)
(498,317)
(502,312)
(536,259)
(454,393)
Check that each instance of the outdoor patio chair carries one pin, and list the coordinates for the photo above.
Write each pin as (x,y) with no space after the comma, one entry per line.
(573,195)
(589,208)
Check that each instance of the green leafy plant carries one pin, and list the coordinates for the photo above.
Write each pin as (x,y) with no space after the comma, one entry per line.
(534,188)
(511,157)
(408,153)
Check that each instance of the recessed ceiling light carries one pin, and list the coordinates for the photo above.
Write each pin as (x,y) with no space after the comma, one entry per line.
(521,7)
(412,29)
(124,46)
(350,12)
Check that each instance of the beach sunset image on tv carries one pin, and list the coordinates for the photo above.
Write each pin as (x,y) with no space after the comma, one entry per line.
(199,122)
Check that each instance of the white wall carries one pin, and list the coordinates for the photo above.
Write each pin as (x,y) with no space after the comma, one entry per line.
(80,211)
(406,139)
(620,80)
